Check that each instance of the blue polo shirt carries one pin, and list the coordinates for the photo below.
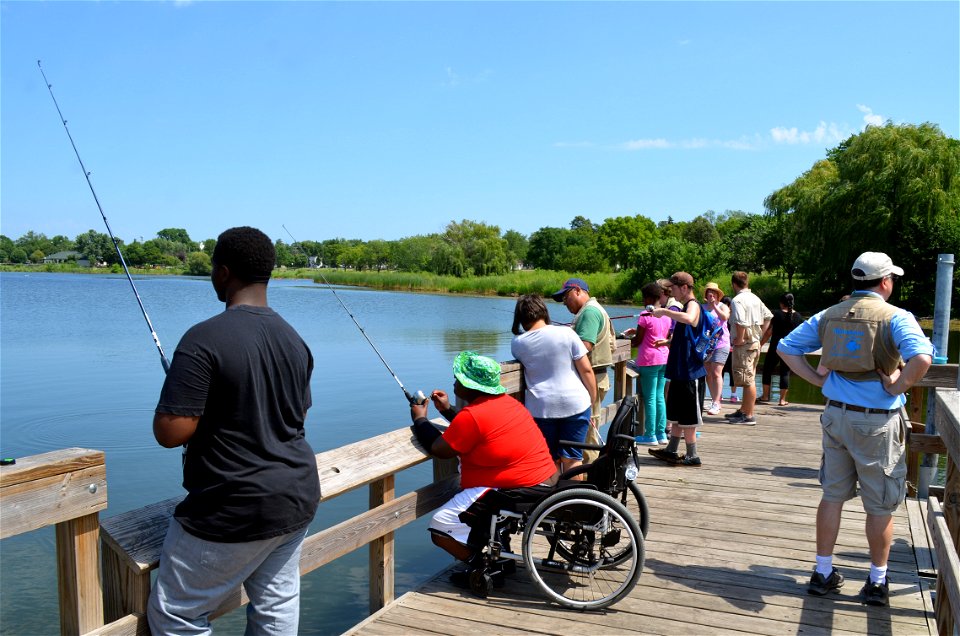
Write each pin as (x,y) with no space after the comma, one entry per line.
(907,335)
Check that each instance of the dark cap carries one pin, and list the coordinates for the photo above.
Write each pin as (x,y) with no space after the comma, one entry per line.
(573,283)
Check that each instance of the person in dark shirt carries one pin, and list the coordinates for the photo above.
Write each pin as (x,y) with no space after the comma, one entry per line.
(237,396)
(783,322)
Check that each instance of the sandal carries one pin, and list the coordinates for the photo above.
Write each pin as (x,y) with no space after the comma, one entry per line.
(782,403)
(763,401)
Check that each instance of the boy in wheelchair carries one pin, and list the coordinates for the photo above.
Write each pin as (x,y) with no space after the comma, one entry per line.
(497,441)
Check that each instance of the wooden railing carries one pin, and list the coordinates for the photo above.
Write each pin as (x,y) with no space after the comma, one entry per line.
(131,541)
(66,488)
(944,518)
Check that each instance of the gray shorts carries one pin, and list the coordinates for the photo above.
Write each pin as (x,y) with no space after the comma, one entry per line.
(867,448)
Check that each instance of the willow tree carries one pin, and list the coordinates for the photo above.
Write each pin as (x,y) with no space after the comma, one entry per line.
(892,188)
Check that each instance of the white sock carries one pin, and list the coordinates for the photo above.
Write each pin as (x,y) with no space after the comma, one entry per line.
(825,565)
(878,574)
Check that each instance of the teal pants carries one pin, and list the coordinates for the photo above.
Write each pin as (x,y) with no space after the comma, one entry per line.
(652,382)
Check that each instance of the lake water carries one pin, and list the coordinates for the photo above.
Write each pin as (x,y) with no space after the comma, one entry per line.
(79,368)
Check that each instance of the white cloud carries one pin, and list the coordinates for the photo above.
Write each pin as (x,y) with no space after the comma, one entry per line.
(823,133)
(643,144)
(869,119)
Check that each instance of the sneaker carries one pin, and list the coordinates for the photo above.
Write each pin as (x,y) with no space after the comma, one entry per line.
(734,399)
(690,461)
(819,586)
(746,420)
(714,409)
(877,594)
(734,415)
(647,440)
(662,438)
(671,457)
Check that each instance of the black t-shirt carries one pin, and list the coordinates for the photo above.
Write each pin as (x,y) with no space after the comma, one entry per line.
(249,471)
(781,324)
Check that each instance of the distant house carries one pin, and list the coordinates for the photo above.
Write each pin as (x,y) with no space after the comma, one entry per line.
(66,256)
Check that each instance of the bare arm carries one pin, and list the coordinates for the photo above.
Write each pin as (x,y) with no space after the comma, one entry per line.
(800,366)
(901,380)
(689,316)
(173,430)
(585,370)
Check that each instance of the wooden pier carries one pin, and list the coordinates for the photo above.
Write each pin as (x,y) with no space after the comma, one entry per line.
(730,550)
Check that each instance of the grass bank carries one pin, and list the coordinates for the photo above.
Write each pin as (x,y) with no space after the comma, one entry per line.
(606,286)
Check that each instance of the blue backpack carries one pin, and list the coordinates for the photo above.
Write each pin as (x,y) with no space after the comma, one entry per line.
(707,334)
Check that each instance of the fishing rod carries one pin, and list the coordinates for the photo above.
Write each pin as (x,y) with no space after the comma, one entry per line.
(116,244)
(419,398)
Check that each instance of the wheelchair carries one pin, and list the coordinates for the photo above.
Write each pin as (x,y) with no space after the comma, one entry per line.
(579,542)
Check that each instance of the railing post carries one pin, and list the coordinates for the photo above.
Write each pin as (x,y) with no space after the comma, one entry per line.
(382,549)
(78,566)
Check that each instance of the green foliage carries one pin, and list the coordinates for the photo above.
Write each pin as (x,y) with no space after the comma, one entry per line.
(37,256)
(97,247)
(621,239)
(546,247)
(198,264)
(176,235)
(517,245)
(893,189)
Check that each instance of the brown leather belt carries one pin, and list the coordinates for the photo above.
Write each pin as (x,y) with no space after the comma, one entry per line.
(859,409)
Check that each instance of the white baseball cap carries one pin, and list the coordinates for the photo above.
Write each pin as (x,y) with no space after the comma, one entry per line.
(874,265)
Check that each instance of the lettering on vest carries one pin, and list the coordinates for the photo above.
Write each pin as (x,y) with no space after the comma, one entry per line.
(856,338)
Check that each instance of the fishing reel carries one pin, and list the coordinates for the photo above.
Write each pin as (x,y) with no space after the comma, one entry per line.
(417,399)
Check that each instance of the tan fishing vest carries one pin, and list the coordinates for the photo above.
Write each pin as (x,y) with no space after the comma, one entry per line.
(602,354)
(857,340)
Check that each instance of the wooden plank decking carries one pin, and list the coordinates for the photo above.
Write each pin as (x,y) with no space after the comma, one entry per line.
(730,549)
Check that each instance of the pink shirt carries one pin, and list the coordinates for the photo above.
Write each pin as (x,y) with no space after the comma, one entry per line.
(653,329)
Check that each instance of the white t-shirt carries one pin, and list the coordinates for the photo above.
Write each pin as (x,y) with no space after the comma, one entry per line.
(554,388)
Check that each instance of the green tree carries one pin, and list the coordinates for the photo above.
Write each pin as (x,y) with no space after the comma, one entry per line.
(412,254)
(378,252)
(484,251)
(700,231)
(892,188)
(198,264)
(37,256)
(517,245)
(18,255)
(176,235)
(96,246)
(621,238)
(546,247)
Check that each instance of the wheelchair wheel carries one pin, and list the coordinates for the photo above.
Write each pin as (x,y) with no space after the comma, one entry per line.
(632,498)
(583,549)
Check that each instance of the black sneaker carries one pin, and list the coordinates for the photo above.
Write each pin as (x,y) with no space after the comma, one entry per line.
(690,461)
(818,585)
(877,594)
(735,414)
(671,457)
(746,420)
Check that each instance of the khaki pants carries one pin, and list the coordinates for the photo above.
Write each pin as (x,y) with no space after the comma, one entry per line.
(593,432)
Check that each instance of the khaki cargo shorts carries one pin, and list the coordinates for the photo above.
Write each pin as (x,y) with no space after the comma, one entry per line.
(867,448)
(743,364)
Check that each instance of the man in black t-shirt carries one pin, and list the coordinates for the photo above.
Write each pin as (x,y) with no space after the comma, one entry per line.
(237,395)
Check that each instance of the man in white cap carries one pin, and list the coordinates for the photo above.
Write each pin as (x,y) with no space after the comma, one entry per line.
(865,343)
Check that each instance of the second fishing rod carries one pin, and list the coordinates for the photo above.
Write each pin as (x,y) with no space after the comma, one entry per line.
(418,397)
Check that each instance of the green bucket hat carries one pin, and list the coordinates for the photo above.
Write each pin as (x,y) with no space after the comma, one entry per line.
(478,372)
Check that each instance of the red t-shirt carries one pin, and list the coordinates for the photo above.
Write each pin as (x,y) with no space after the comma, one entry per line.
(499,444)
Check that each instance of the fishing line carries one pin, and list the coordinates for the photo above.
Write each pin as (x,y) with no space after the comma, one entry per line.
(116,245)
(419,398)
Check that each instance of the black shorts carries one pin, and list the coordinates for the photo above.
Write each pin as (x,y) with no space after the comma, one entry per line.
(683,401)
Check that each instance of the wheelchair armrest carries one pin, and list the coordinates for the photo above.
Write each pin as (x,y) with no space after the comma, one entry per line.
(570,444)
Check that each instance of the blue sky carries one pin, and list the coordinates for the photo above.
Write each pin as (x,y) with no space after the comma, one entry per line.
(385,120)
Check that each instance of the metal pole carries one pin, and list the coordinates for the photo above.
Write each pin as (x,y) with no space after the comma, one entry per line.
(941,334)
